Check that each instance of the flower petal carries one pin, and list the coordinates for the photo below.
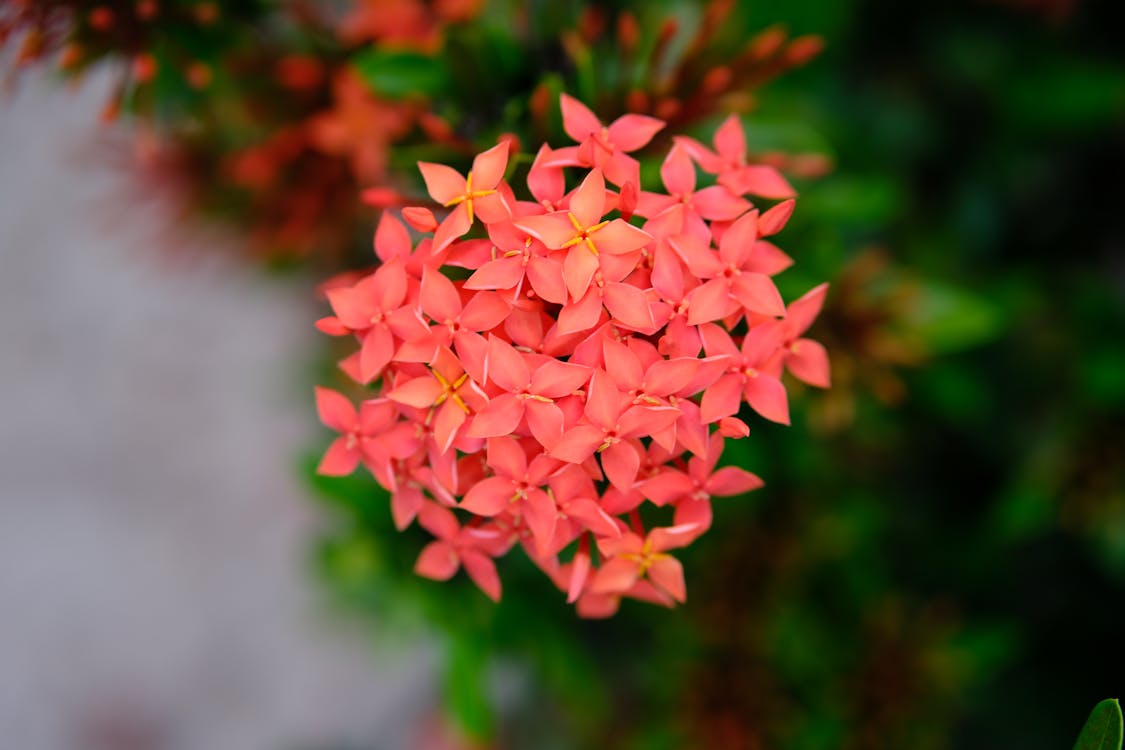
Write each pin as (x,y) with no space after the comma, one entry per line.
(443,183)
(629,306)
(577,444)
(668,574)
(731,480)
(482,571)
(578,121)
(678,172)
(501,416)
(335,410)
(587,202)
(620,463)
(631,132)
(488,167)
(489,496)
(439,298)
(438,561)
(339,460)
(506,366)
(555,379)
(766,395)
(722,399)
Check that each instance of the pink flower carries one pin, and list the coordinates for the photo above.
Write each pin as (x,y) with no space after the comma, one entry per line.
(728,160)
(604,147)
(473,194)
(584,367)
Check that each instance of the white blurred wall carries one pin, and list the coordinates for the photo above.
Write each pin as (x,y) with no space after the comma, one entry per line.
(153,587)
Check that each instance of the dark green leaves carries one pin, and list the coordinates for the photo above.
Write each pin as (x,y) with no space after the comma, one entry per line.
(401,74)
(1103,728)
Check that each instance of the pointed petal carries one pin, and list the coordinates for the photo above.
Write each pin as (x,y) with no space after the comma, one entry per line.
(631,132)
(546,277)
(439,298)
(587,202)
(484,311)
(339,460)
(489,497)
(578,121)
(739,239)
(545,422)
(619,237)
(604,403)
(629,306)
(579,268)
(730,139)
(442,182)
(678,172)
(731,480)
(717,203)
(722,399)
(488,167)
(419,392)
(766,395)
(668,376)
(579,574)
(451,228)
(582,315)
(405,504)
(620,463)
(616,575)
(757,293)
(501,416)
(542,516)
(808,361)
(502,273)
(667,487)
(758,179)
(555,379)
(577,444)
(450,416)
(376,351)
(506,457)
(711,301)
(546,183)
(335,410)
(506,366)
(668,574)
(483,573)
(804,310)
(623,366)
(391,239)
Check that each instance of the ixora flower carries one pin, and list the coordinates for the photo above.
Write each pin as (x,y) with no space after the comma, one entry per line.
(560,370)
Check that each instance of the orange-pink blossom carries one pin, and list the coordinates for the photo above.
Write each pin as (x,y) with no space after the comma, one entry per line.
(559,369)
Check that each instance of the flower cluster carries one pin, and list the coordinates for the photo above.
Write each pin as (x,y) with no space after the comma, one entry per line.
(548,368)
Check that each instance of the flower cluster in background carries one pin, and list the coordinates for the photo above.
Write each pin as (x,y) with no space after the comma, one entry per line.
(585,370)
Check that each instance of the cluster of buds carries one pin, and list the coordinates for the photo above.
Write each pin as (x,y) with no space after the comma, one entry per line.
(551,372)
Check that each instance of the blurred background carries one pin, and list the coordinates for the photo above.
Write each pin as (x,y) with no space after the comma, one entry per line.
(937,559)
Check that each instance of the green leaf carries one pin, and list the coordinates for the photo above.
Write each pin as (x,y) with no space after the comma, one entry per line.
(401,74)
(1103,728)
(466,688)
(951,319)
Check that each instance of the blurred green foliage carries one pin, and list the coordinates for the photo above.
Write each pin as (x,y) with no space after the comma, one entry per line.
(946,550)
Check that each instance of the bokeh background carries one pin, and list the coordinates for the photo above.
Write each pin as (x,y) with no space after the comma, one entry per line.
(937,560)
